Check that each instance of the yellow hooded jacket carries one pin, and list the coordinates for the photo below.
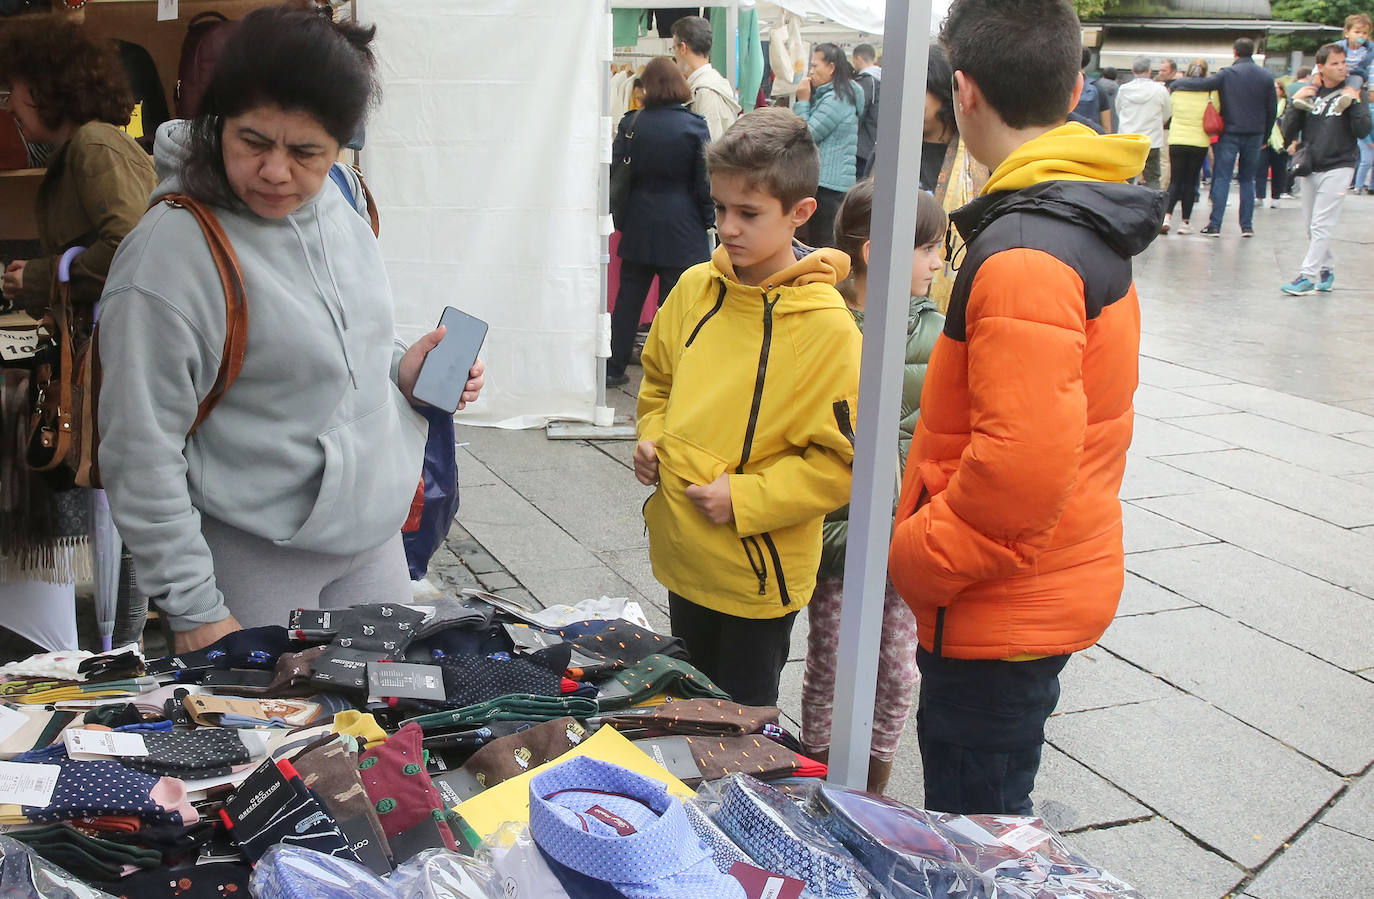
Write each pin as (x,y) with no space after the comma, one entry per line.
(760,382)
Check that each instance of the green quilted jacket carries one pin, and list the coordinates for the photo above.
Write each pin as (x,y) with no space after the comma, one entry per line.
(923,325)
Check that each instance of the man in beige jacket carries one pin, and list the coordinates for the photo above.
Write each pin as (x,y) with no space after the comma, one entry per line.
(712,96)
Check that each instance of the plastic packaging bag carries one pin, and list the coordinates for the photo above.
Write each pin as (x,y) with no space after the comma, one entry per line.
(900,846)
(26,875)
(290,872)
(520,868)
(1027,859)
(780,836)
(441,874)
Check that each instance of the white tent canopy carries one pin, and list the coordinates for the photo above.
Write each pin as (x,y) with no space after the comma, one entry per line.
(484,158)
(860,15)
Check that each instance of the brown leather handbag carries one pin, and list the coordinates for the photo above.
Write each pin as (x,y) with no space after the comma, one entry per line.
(64,433)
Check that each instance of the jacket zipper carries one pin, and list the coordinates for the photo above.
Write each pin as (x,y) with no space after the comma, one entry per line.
(761,565)
(720,301)
(777,566)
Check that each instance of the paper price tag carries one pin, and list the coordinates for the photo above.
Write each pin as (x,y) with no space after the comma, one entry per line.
(166,10)
(104,742)
(24,784)
(761,884)
(1024,838)
(10,722)
(18,343)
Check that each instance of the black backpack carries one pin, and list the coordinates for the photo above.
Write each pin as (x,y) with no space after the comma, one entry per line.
(868,122)
(1089,106)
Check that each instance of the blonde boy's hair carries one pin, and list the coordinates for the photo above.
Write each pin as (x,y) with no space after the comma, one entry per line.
(1359,18)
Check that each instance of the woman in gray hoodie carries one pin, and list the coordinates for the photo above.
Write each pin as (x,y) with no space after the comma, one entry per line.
(292,493)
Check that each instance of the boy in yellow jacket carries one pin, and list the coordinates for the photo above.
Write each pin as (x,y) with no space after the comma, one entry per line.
(751,376)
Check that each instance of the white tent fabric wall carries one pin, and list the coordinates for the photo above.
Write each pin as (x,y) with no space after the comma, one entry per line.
(860,15)
(483,157)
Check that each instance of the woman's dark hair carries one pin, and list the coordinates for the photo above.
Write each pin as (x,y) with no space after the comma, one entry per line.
(664,84)
(843,79)
(296,59)
(73,79)
(940,85)
(853,225)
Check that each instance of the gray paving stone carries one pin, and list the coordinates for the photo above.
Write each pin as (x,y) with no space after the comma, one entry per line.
(1297,540)
(1219,780)
(1159,860)
(471,471)
(1331,623)
(503,450)
(1095,679)
(633,565)
(1147,477)
(1294,410)
(497,580)
(1354,812)
(908,778)
(789,695)
(1160,373)
(1161,403)
(572,585)
(479,561)
(1365,531)
(1324,863)
(563,495)
(801,628)
(517,534)
(1141,597)
(1285,692)
(657,616)
(1322,495)
(1290,443)
(1145,531)
(623,451)
(1363,438)
(1070,797)
(1364,405)
(1159,438)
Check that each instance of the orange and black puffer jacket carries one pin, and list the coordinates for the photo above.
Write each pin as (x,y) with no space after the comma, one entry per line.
(1007,543)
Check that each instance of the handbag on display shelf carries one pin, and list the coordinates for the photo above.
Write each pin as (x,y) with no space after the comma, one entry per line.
(65,392)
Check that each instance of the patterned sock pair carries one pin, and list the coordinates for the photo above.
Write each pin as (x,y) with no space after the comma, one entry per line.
(275,806)
(400,789)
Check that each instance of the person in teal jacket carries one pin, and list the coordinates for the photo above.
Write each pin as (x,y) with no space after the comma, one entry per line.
(831,103)
(897,671)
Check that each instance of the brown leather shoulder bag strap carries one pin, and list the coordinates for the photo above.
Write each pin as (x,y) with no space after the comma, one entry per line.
(372,215)
(235,301)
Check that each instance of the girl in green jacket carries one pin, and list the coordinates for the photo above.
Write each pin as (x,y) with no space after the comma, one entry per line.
(897,672)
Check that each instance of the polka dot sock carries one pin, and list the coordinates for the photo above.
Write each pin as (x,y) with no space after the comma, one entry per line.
(398,786)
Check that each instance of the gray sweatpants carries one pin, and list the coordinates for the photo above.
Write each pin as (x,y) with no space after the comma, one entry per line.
(262,582)
(1322,193)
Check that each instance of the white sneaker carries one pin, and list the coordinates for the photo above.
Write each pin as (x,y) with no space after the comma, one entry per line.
(1271,204)
(1183,229)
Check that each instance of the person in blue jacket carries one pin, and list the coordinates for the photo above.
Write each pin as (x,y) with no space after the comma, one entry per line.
(669,209)
(831,104)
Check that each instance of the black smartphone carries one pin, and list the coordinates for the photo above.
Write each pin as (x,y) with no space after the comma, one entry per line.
(444,373)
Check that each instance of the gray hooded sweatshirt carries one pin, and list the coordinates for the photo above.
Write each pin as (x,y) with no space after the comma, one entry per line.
(313,447)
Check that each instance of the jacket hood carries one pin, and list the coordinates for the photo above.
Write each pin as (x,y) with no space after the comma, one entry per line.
(797,283)
(171,149)
(1078,176)
(1071,152)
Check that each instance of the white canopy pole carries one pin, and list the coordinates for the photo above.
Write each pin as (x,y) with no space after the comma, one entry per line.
(906,48)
